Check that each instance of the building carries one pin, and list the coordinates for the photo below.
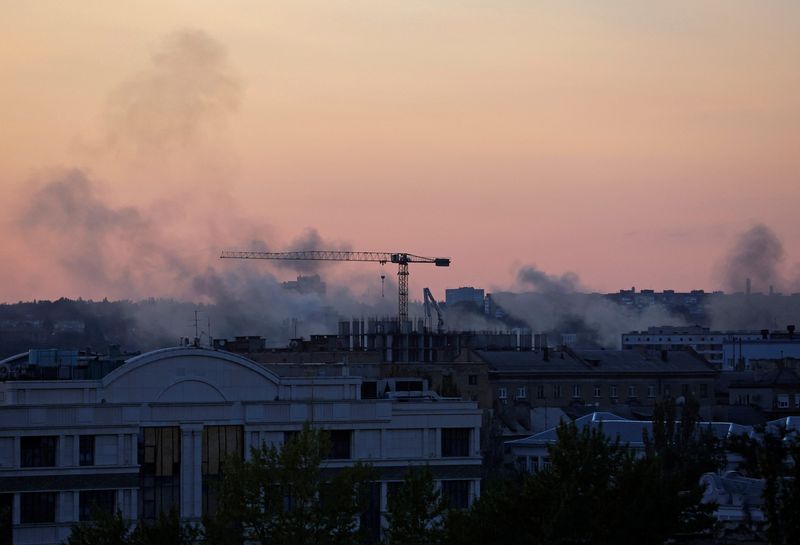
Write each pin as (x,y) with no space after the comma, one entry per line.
(774,390)
(726,350)
(531,453)
(738,351)
(578,382)
(467,297)
(148,436)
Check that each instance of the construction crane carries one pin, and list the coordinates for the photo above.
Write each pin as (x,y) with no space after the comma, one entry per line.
(431,302)
(401,258)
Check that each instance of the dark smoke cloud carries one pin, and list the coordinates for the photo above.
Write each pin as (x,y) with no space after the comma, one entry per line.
(548,283)
(186,93)
(98,245)
(124,252)
(757,254)
(310,240)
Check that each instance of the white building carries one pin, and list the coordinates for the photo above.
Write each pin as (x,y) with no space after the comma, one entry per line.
(150,435)
(714,346)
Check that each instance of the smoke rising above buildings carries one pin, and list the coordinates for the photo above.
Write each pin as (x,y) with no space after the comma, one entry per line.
(548,283)
(756,255)
(188,91)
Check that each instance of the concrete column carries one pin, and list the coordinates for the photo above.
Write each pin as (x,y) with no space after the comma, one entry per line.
(437,443)
(191,471)
(198,473)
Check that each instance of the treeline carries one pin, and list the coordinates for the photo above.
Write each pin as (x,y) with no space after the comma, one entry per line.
(594,491)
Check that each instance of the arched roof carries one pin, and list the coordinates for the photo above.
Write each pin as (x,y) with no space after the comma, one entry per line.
(181,352)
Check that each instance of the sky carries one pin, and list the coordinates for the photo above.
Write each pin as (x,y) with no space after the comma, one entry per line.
(628,143)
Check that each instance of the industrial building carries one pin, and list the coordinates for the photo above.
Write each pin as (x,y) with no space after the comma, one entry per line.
(148,435)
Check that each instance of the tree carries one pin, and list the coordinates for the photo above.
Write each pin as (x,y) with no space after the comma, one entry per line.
(113,529)
(283,496)
(416,512)
(595,491)
(775,457)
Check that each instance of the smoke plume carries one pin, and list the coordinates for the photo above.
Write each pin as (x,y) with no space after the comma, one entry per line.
(184,95)
(548,283)
(757,254)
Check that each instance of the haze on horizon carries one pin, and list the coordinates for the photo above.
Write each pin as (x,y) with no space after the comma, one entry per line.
(628,144)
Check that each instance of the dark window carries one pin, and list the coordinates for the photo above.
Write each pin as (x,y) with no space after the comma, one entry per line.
(473,380)
(37,507)
(94,502)
(540,391)
(456,493)
(703,390)
(219,443)
(455,442)
(556,391)
(6,519)
(408,386)
(38,451)
(160,472)
(369,390)
(340,444)
(392,489)
(86,455)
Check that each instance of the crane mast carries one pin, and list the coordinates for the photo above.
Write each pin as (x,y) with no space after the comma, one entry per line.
(401,258)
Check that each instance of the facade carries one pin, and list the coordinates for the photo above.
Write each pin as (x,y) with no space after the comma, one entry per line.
(578,382)
(469,296)
(774,391)
(726,350)
(149,435)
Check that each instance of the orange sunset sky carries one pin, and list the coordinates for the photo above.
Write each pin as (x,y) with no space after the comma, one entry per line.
(628,142)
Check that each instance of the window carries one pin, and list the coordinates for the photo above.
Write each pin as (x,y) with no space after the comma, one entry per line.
(392,490)
(632,393)
(703,390)
(219,442)
(597,391)
(37,507)
(95,502)
(472,380)
(502,393)
(340,444)
(160,459)
(86,454)
(369,389)
(455,442)
(540,391)
(456,493)
(556,391)
(522,393)
(38,451)
(783,401)
(797,400)
(6,519)
(576,390)
(612,392)
(651,391)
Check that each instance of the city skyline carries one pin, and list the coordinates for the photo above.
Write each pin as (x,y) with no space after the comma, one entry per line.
(628,145)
